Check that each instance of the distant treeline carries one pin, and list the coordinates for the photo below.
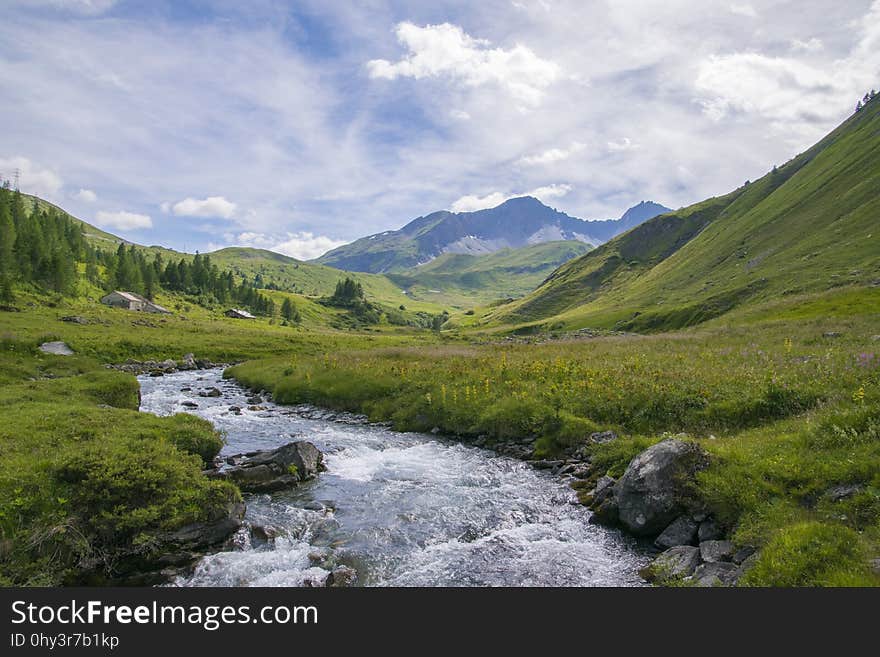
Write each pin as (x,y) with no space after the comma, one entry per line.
(45,246)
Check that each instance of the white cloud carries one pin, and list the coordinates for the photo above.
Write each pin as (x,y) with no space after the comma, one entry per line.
(303,245)
(306,245)
(472,203)
(446,50)
(86,195)
(33,178)
(123,220)
(165,207)
(460,115)
(553,155)
(788,91)
(810,45)
(744,9)
(624,144)
(213,206)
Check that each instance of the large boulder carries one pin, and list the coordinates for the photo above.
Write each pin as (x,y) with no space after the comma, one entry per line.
(654,489)
(272,470)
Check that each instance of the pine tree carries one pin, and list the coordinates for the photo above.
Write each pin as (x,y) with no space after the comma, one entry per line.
(289,311)
(7,237)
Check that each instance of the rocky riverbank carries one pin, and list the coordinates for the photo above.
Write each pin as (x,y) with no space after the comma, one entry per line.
(655,499)
(163,367)
(175,553)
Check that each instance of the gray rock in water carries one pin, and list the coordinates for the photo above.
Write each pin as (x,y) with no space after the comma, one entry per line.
(709,531)
(681,531)
(651,492)
(267,471)
(716,574)
(715,551)
(188,362)
(341,576)
(675,563)
(210,392)
(57,348)
(189,404)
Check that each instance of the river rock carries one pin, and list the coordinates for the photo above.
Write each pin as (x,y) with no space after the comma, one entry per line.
(717,573)
(341,576)
(715,551)
(675,563)
(267,471)
(189,404)
(188,362)
(56,348)
(210,392)
(651,491)
(681,531)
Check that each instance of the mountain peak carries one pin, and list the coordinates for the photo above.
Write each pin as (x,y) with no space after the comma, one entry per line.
(515,223)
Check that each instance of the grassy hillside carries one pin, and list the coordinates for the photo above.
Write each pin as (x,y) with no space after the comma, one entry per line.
(810,225)
(459,279)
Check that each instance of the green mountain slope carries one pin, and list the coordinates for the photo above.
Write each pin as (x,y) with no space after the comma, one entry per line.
(461,278)
(810,225)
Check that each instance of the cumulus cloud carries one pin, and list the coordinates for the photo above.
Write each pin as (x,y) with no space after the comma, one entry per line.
(303,245)
(213,206)
(446,50)
(33,178)
(86,195)
(123,220)
(472,203)
(306,245)
(552,155)
(786,89)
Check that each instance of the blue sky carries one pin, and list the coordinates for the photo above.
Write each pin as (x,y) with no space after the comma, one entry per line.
(298,126)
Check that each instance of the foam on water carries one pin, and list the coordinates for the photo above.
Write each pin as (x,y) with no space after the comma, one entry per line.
(402,509)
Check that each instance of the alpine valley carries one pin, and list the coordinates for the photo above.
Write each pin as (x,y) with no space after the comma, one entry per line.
(511,396)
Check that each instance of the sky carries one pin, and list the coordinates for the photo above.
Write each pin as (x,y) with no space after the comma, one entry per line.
(299,126)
